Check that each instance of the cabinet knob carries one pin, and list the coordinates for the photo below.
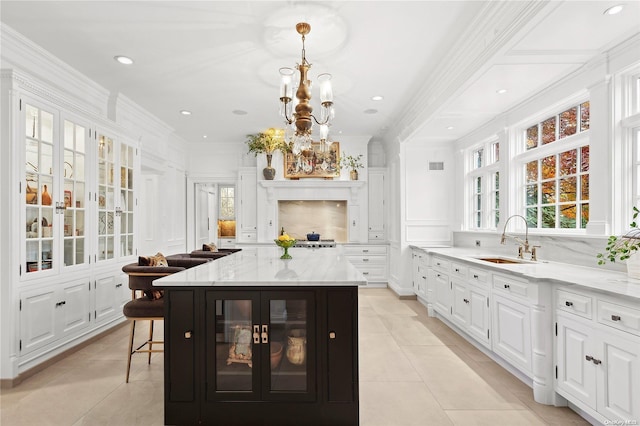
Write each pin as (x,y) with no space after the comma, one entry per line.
(507,286)
(332,335)
(568,303)
(615,317)
(466,300)
(188,334)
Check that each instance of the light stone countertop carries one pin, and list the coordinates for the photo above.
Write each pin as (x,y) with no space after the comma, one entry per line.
(262,266)
(561,273)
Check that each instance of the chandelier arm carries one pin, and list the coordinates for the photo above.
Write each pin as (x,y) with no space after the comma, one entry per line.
(326,121)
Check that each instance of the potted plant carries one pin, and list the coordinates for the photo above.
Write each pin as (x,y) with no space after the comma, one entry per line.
(624,248)
(268,142)
(353,163)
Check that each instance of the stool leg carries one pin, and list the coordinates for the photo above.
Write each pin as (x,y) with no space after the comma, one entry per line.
(150,339)
(132,334)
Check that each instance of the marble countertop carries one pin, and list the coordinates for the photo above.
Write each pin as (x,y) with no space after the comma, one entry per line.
(262,266)
(562,273)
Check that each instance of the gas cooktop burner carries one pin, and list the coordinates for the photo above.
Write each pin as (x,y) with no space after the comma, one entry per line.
(315,244)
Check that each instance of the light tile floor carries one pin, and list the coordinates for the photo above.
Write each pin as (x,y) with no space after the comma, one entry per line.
(413,371)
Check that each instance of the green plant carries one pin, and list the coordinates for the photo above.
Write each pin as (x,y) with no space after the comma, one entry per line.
(267,142)
(621,248)
(350,162)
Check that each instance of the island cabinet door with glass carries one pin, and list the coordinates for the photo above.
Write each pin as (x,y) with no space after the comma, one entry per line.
(247,357)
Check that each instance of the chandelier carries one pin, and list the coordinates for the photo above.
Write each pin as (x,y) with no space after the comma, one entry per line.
(298,123)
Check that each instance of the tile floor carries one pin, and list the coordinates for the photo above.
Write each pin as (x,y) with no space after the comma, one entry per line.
(413,371)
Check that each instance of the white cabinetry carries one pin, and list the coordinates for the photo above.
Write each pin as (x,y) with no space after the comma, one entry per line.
(376,184)
(512,321)
(442,288)
(598,359)
(247,231)
(371,260)
(420,269)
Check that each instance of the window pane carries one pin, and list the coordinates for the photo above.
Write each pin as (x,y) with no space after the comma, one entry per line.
(549,217)
(585,216)
(584,187)
(568,122)
(548,192)
(478,219)
(496,152)
(532,194)
(568,216)
(584,159)
(548,167)
(478,185)
(568,162)
(477,158)
(532,137)
(532,217)
(496,180)
(532,171)
(568,189)
(584,116)
(549,130)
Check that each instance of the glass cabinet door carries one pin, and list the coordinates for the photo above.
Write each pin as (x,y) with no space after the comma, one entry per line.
(106,194)
(40,170)
(289,372)
(126,207)
(75,195)
(233,345)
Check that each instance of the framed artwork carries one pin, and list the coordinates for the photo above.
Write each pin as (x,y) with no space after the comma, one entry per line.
(321,161)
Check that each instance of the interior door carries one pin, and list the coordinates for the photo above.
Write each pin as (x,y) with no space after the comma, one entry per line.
(202,213)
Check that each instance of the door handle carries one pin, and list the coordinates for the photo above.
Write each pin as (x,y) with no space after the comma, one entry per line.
(615,317)
(256,334)
(265,333)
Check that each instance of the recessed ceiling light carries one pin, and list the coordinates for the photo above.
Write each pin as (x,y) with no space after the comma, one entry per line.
(614,10)
(239,112)
(370,111)
(124,60)
(185,112)
(377,98)
(204,136)
(450,128)
(501,91)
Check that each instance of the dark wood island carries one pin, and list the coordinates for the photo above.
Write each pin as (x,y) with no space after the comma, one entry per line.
(251,339)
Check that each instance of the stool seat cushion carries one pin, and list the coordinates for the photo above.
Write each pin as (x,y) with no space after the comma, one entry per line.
(144,308)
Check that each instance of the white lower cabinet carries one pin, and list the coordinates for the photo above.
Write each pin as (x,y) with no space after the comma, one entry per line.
(371,260)
(111,293)
(419,276)
(442,293)
(470,310)
(598,366)
(49,314)
(512,332)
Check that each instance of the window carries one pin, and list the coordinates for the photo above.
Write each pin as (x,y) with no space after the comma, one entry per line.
(227,209)
(484,180)
(556,169)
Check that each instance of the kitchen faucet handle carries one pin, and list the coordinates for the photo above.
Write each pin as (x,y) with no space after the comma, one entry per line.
(534,254)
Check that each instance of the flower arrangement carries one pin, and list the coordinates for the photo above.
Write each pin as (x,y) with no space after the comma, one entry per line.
(268,142)
(350,162)
(621,248)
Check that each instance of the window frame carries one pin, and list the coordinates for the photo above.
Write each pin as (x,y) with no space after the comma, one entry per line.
(486,211)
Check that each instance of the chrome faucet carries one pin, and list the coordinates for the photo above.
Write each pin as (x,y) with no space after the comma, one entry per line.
(524,245)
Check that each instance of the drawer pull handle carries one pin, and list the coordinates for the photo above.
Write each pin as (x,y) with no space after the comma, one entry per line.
(615,317)
(365,273)
(476,276)
(265,333)
(60,303)
(466,300)
(507,286)
(568,303)
(365,250)
(424,278)
(588,358)
(365,260)
(597,361)
(118,285)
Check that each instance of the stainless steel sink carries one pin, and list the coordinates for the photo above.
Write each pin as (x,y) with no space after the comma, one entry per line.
(502,260)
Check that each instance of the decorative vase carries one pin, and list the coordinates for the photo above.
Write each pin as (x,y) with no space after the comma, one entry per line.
(633,266)
(46,197)
(286,254)
(353,174)
(296,347)
(269,172)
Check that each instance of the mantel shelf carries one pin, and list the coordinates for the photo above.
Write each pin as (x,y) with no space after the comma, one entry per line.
(307,183)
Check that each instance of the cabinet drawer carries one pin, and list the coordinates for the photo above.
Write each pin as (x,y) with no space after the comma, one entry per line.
(441,264)
(359,250)
(511,286)
(249,236)
(478,276)
(376,236)
(458,270)
(623,318)
(373,272)
(574,303)
(367,260)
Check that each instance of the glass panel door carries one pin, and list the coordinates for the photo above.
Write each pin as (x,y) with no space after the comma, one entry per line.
(290,371)
(233,345)
(125,209)
(75,198)
(106,193)
(39,189)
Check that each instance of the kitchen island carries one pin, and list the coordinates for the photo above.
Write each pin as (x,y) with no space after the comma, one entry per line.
(251,339)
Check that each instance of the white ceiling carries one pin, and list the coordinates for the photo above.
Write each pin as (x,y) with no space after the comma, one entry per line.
(438,64)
